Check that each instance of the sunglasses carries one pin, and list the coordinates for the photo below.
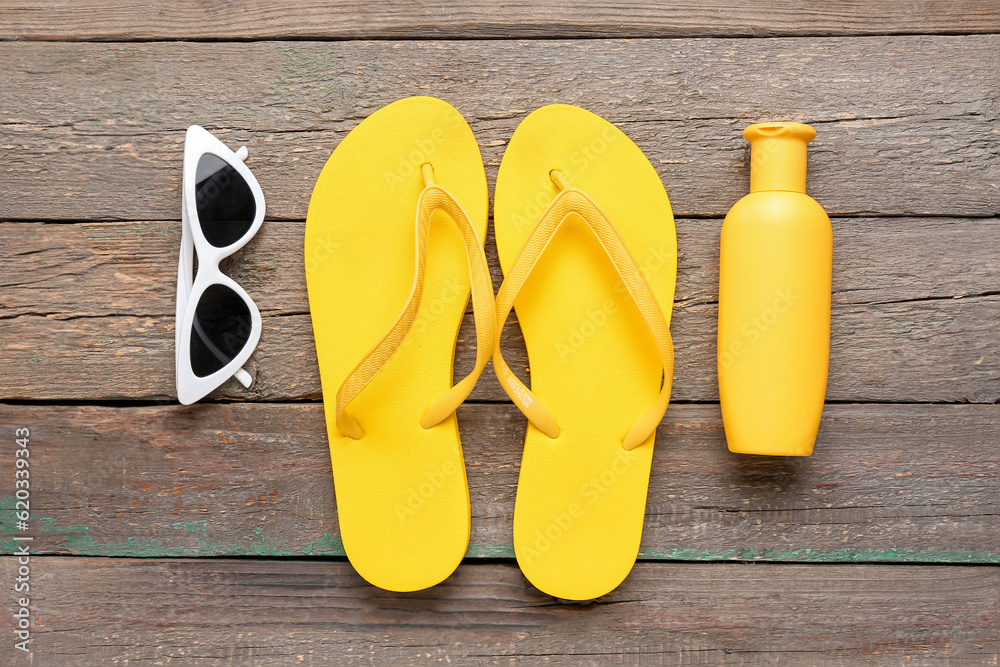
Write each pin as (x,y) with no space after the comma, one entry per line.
(217,324)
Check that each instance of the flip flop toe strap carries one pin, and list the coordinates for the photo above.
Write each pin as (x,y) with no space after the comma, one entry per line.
(432,198)
(571,201)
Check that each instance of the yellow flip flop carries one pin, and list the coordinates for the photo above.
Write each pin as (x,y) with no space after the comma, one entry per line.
(393,246)
(588,248)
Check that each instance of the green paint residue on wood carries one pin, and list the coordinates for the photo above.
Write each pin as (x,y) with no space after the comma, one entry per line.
(823,556)
(769,555)
(49,526)
(325,546)
(193,527)
(76,539)
(7,518)
(490,551)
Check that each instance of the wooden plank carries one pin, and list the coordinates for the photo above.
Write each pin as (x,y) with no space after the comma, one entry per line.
(913,166)
(137,88)
(907,125)
(898,483)
(59,270)
(265,612)
(87,312)
(921,351)
(419,19)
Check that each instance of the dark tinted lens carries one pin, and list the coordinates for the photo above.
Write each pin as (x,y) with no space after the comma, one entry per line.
(225,202)
(221,329)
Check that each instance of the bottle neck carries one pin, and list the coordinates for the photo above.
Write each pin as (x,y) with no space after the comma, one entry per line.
(778,156)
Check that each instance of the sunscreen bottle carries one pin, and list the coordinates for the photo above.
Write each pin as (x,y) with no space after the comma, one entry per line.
(775,268)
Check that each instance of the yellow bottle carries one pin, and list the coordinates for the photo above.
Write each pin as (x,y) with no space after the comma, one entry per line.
(775,269)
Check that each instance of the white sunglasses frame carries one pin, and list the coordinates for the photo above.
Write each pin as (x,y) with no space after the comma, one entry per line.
(191,388)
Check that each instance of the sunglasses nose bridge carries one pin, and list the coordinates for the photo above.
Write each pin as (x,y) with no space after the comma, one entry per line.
(210,259)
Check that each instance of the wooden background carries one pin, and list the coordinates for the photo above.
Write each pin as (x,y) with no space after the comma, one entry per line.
(208,534)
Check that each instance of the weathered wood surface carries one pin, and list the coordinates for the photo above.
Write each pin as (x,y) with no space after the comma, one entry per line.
(419,19)
(907,125)
(887,483)
(86,312)
(909,138)
(129,268)
(245,612)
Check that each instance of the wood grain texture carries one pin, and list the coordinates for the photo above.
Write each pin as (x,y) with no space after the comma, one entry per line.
(245,612)
(129,268)
(92,133)
(906,125)
(886,483)
(419,19)
(86,312)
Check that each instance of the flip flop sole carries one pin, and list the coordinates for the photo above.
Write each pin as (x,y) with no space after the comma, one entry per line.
(401,490)
(581,497)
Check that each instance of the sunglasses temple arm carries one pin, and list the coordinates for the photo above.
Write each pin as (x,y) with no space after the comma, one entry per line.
(243,377)
(185,269)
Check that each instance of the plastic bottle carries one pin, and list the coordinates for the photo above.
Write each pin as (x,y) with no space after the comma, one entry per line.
(775,269)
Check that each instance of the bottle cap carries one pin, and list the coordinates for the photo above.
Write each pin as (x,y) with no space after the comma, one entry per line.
(778,156)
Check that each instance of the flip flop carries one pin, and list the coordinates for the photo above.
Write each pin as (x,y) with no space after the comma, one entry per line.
(587,244)
(393,245)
